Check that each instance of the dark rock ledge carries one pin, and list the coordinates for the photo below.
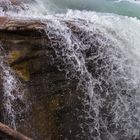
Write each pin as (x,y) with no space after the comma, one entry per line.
(52,114)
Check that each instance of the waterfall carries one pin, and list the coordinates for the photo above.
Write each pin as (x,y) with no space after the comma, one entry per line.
(12,96)
(102,52)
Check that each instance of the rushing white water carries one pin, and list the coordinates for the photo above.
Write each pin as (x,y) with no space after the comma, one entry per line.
(11,93)
(102,51)
(44,7)
(109,74)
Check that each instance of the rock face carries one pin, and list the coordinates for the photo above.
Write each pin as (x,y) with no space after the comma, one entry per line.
(58,74)
(52,96)
(24,44)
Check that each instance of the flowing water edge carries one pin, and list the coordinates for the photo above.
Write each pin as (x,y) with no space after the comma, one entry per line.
(99,45)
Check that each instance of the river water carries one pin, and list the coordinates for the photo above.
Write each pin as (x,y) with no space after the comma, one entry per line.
(104,57)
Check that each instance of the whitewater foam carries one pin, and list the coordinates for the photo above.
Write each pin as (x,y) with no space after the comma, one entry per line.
(102,51)
(118,50)
(12,95)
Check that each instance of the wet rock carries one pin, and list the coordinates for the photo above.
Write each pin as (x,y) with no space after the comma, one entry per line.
(59,107)
(52,96)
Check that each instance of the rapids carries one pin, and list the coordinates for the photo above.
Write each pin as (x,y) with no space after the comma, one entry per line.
(104,57)
(102,52)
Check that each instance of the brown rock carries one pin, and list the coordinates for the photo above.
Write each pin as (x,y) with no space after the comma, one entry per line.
(54,98)
(3,21)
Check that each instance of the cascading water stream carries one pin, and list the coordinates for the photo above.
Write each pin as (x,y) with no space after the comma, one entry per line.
(12,95)
(8,87)
(105,60)
(102,52)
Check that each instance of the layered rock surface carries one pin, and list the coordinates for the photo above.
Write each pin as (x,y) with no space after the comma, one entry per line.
(59,92)
(52,96)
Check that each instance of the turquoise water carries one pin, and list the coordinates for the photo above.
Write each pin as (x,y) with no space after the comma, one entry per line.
(126,8)
(129,8)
